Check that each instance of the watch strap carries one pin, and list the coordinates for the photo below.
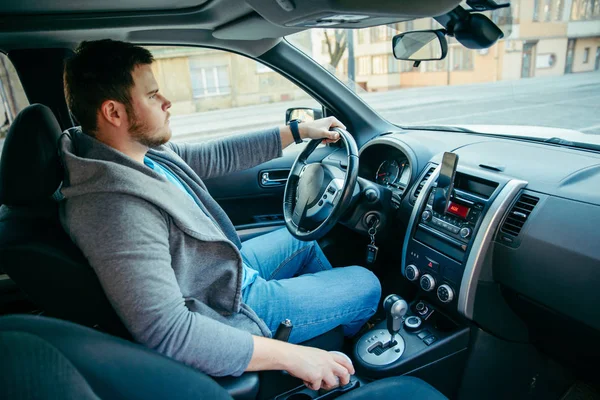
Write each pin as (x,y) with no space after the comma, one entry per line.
(295,130)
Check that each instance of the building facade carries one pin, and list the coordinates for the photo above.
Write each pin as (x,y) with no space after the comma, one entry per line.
(542,38)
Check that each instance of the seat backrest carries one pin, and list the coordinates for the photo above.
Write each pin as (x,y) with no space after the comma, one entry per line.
(35,251)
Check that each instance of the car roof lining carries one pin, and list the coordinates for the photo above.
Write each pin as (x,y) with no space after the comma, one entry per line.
(226,24)
(162,37)
(93,6)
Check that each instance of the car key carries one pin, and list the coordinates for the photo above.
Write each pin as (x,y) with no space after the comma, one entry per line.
(371,253)
(371,248)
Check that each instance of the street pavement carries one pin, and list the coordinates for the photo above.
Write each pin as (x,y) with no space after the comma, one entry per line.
(570,101)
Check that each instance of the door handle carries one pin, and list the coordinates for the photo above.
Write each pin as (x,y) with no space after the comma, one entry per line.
(266,180)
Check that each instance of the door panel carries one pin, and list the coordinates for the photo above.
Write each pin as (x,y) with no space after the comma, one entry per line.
(249,202)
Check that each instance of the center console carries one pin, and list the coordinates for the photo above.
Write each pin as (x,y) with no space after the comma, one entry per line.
(451,227)
(438,248)
(450,230)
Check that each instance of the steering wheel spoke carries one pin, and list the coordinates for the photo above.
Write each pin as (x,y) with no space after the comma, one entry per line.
(299,212)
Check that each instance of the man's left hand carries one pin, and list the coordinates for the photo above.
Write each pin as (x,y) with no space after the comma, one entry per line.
(320,128)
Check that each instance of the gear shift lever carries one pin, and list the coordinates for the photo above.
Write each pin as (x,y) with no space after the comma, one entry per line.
(395,307)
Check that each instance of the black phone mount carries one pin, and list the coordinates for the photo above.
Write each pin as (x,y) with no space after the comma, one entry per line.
(445,183)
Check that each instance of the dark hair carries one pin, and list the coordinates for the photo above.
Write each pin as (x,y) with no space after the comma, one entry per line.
(99,71)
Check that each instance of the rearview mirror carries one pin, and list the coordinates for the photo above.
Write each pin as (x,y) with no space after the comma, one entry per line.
(420,45)
(304,114)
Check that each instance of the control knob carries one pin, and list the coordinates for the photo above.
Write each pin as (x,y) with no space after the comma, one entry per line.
(427,283)
(412,323)
(465,232)
(445,293)
(426,216)
(371,195)
(412,273)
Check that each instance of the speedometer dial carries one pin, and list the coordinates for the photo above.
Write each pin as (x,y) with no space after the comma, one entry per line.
(387,173)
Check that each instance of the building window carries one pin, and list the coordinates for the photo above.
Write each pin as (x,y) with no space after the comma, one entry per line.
(362,35)
(585,9)
(380,34)
(406,66)
(209,81)
(393,65)
(462,59)
(406,26)
(364,65)
(503,16)
(547,11)
(436,66)
(586,55)
(536,10)
(343,67)
(380,66)
(515,7)
(558,10)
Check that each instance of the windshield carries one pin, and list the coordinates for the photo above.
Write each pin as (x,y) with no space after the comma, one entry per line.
(541,80)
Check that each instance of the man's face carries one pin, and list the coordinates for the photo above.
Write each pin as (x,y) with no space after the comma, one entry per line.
(148,115)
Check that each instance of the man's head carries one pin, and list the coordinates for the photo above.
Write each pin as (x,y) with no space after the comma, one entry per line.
(111,90)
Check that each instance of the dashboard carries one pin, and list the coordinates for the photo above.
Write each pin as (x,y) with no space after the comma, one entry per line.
(521,232)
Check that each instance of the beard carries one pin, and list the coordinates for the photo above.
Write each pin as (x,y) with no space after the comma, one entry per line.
(141,133)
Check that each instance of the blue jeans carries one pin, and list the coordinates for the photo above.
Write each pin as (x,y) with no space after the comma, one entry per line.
(297,282)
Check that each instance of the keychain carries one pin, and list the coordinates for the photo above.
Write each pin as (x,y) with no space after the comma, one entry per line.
(371,248)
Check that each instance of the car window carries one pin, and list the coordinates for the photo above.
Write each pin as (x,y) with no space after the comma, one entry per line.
(216,93)
(12,96)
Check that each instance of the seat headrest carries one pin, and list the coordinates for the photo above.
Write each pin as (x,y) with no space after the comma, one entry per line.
(30,168)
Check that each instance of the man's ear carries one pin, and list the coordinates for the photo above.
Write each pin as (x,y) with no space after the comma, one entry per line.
(113,113)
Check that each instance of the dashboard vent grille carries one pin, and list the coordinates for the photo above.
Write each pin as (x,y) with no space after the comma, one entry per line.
(423,181)
(518,215)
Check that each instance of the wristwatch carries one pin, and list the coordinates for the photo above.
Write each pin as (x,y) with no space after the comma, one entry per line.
(295,130)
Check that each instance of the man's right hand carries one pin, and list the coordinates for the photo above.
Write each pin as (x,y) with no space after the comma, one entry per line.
(318,369)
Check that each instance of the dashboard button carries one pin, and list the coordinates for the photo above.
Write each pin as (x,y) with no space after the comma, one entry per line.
(429,340)
(465,232)
(423,334)
(434,265)
(426,216)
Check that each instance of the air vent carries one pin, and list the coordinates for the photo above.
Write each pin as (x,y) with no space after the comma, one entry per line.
(423,181)
(518,215)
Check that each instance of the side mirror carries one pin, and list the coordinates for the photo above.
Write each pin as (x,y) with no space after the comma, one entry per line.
(304,113)
(420,45)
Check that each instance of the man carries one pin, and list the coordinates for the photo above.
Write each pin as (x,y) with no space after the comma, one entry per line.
(166,254)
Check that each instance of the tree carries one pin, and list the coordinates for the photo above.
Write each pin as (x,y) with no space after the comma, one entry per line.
(340,42)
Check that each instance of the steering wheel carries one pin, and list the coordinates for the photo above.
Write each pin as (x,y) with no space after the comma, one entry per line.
(317,194)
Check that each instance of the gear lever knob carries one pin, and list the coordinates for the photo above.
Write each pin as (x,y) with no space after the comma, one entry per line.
(395,308)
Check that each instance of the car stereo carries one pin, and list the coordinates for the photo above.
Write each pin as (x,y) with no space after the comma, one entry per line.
(459,219)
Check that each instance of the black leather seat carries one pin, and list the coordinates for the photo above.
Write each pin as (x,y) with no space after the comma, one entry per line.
(38,255)
(35,251)
(46,358)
